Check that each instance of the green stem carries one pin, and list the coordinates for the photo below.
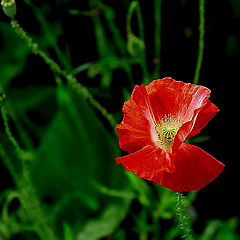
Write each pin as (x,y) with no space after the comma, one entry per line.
(200,42)
(71,80)
(109,16)
(134,6)
(140,22)
(7,129)
(22,154)
(27,194)
(142,36)
(157,35)
(7,162)
(183,219)
(32,206)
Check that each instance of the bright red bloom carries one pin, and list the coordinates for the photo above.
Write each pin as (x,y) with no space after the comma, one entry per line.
(157,120)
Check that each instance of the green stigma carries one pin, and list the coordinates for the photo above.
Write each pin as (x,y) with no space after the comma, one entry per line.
(169,131)
(166,131)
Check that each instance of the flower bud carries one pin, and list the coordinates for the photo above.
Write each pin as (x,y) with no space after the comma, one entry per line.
(135,46)
(9,7)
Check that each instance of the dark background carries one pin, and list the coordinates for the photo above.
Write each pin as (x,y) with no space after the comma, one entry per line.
(179,48)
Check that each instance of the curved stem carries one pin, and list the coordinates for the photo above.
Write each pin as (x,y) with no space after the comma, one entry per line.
(7,129)
(32,205)
(183,219)
(200,42)
(27,194)
(134,7)
(71,80)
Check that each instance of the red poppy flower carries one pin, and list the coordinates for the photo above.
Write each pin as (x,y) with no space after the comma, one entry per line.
(157,119)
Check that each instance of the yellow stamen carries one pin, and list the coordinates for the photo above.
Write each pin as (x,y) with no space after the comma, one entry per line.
(166,130)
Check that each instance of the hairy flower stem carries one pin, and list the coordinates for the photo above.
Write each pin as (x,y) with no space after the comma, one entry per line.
(200,41)
(22,179)
(32,206)
(71,80)
(7,129)
(183,219)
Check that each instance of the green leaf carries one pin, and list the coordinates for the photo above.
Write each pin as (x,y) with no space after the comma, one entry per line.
(199,139)
(104,225)
(13,55)
(166,206)
(105,67)
(221,230)
(75,152)
(25,99)
(143,190)
(67,232)
(28,108)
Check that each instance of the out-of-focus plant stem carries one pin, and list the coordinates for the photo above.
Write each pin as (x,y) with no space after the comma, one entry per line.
(183,219)
(157,36)
(142,36)
(134,6)
(31,204)
(7,163)
(71,80)
(109,16)
(7,129)
(200,42)
(22,179)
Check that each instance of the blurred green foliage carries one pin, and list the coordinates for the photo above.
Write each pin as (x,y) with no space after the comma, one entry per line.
(11,64)
(64,167)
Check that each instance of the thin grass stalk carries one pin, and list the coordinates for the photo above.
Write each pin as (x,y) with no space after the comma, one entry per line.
(32,206)
(200,41)
(134,6)
(157,36)
(71,80)
(7,129)
(142,36)
(27,194)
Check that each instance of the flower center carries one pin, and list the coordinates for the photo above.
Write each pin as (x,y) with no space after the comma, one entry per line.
(166,130)
(169,132)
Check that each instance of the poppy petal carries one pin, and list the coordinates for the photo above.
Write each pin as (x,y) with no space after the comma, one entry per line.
(194,169)
(147,162)
(137,127)
(186,129)
(204,116)
(177,98)
(167,112)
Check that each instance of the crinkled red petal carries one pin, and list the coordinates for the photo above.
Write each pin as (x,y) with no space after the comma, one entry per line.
(147,162)
(135,129)
(177,98)
(195,168)
(188,167)
(204,116)
(186,129)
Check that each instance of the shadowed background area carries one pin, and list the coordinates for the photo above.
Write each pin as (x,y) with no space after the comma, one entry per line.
(63,161)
